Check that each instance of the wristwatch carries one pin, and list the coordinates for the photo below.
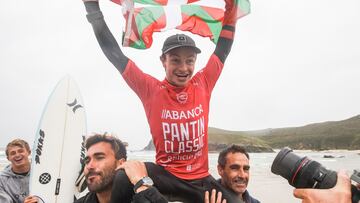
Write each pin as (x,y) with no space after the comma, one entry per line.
(146,181)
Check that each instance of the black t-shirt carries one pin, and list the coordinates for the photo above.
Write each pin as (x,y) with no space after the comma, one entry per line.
(88,198)
(151,195)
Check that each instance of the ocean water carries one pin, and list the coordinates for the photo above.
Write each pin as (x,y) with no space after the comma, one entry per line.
(263,185)
(3,160)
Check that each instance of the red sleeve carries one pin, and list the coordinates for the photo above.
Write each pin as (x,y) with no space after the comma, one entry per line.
(210,73)
(138,81)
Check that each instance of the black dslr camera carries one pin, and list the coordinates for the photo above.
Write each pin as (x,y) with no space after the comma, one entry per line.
(302,172)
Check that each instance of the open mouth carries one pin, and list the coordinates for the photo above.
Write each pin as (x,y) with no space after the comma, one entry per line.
(240,183)
(181,74)
(18,160)
(92,176)
(182,77)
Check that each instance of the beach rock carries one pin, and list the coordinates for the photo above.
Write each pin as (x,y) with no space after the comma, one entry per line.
(328,156)
(150,146)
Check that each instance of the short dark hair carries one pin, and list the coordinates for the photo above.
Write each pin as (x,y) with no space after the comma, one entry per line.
(18,143)
(232,149)
(116,144)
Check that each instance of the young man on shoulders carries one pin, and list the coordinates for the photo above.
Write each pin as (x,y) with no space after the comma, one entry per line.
(177,108)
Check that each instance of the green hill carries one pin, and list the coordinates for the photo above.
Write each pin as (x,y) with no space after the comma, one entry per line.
(220,139)
(343,134)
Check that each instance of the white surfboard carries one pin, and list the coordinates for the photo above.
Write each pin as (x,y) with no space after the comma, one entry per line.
(58,147)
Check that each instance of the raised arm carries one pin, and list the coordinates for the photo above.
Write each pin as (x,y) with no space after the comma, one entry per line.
(226,38)
(106,40)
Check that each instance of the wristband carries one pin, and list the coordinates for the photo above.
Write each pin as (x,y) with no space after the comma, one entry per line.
(146,181)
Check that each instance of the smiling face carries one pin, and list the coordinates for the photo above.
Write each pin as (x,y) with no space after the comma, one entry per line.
(179,65)
(100,165)
(236,172)
(18,156)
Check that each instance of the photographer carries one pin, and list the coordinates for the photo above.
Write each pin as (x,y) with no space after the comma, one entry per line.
(341,193)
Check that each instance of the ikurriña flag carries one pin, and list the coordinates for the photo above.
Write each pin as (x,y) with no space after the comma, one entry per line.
(162,15)
(158,2)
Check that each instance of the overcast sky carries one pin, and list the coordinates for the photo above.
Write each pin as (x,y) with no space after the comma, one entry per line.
(292,63)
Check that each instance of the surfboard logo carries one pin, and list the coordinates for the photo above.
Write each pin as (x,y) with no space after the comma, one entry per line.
(44,178)
(57,189)
(40,144)
(83,150)
(80,182)
(75,105)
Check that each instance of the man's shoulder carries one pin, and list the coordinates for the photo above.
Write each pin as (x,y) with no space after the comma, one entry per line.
(249,198)
(149,195)
(6,172)
(253,200)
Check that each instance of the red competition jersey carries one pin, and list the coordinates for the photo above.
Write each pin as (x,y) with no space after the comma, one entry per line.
(178,117)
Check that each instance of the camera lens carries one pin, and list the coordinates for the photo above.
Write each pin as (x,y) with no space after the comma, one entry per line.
(302,172)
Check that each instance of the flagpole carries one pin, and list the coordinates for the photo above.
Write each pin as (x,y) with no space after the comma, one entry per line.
(128,6)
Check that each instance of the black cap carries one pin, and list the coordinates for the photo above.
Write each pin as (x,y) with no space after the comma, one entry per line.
(179,40)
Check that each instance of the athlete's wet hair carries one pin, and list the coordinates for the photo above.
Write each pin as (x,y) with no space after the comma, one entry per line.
(17,143)
(116,144)
(232,149)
